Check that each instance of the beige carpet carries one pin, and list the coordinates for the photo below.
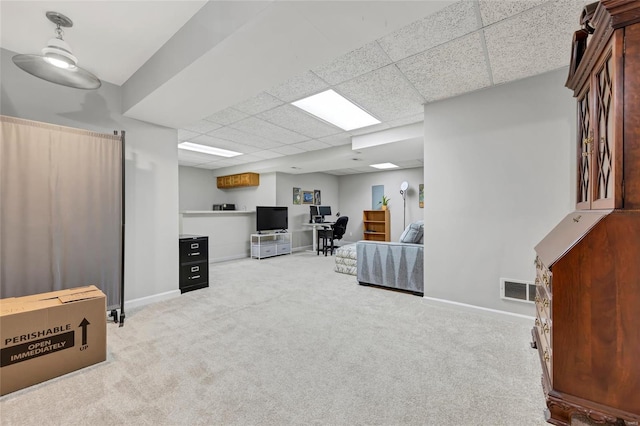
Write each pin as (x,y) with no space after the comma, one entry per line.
(288,341)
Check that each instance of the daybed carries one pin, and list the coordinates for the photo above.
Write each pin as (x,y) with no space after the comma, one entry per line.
(398,265)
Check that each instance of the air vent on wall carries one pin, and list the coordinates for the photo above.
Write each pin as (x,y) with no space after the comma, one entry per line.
(521,291)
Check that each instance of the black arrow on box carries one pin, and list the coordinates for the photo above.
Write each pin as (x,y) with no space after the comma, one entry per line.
(84,325)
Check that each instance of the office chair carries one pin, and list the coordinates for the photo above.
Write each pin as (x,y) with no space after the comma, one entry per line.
(330,234)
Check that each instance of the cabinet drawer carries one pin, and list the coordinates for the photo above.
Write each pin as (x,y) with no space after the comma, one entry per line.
(284,248)
(194,273)
(544,326)
(545,354)
(264,250)
(194,250)
(543,302)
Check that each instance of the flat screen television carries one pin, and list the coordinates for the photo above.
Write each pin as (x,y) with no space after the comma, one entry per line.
(272,218)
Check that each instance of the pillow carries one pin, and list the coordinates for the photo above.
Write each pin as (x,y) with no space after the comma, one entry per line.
(413,234)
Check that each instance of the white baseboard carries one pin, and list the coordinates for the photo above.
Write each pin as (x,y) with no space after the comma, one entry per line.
(147,300)
(481,308)
(227,258)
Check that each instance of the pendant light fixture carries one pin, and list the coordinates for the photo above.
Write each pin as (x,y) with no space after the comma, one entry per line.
(57,63)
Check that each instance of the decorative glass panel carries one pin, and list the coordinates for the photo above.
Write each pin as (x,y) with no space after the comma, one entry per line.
(583,139)
(605,129)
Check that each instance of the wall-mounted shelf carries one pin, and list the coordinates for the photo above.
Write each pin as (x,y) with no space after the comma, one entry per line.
(238,180)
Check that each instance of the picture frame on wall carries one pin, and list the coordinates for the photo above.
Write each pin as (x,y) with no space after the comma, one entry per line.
(297,196)
(421,195)
(307,197)
(316,197)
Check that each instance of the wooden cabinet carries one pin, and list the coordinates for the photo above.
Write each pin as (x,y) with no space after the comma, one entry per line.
(587,330)
(376,225)
(605,80)
(600,130)
(238,180)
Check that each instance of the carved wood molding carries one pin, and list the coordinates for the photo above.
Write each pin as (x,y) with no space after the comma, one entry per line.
(623,12)
(603,31)
(562,407)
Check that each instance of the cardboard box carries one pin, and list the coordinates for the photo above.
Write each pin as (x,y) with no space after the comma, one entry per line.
(50,334)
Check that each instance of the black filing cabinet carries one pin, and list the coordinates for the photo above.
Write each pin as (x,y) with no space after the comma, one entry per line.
(194,262)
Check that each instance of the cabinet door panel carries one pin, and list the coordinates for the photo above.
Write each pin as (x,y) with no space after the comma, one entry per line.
(606,167)
(585,139)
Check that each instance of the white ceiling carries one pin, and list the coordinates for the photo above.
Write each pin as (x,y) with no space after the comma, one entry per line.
(224,72)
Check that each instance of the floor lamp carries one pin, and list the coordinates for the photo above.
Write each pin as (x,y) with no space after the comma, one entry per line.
(403,191)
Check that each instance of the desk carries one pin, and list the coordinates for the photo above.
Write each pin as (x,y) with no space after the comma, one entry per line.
(315,227)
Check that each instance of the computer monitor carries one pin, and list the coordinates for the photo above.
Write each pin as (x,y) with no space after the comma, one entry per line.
(313,213)
(324,211)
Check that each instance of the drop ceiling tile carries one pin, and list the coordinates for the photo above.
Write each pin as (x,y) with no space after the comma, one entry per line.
(263,144)
(249,158)
(209,166)
(243,148)
(210,141)
(407,164)
(369,129)
(234,135)
(312,145)
(226,144)
(355,63)
(196,157)
(269,154)
(448,70)
(493,11)
(447,24)
(289,150)
(342,172)
(299,87)
(406,120)
(369,169)
(233,161)
(227,116)
(295,119)
(516,45)
(202,126)
(267,130)
(262,102)
(187,163)
(385,93)
(343,138)
(185,135)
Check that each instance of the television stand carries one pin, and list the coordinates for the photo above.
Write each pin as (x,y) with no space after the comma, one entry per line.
(268,245)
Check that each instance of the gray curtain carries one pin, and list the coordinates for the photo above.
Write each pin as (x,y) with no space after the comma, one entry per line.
(60,211)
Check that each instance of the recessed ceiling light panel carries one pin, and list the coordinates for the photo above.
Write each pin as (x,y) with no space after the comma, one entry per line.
(384,166)
(205,149)
(337,110)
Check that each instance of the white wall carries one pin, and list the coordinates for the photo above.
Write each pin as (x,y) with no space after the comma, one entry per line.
(151,170)
(301,236)
(275,189)
(196,188)
(355,196)
(499,174)
(247,198)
